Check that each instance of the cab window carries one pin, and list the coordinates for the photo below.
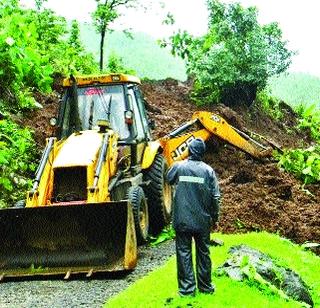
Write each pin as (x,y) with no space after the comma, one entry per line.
(97,103)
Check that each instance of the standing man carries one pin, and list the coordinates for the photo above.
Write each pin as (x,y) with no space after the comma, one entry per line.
(195,210)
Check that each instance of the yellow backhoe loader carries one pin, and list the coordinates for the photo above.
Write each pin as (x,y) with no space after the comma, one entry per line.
(100,182)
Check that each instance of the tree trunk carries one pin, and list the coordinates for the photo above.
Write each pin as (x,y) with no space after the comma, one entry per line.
(103,34)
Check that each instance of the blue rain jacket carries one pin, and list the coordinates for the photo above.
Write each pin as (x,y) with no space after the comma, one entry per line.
(197,195)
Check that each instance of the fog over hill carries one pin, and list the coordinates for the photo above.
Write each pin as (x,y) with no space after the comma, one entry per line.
(140,53)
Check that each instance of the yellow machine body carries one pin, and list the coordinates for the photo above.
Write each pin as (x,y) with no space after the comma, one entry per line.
(205,125)
(79,151)
(50,237)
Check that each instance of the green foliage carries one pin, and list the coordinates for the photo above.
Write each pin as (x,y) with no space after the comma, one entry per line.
(64,53)
(255,279)
(229,293)
(104,15)
(310,118)
(115,65)
(304,163)
(32,48)
(21,65)
(39,4)
(169,19)
(33,45)
(166,235)
(74,39)
(270,104)
(39,269)
(17,157)
(236,57)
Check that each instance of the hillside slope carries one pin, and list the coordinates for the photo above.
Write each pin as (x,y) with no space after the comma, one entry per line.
(256,195)
(296,89)
(141,53)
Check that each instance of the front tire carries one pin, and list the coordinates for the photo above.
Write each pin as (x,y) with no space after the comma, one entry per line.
(139,204)
(159,194)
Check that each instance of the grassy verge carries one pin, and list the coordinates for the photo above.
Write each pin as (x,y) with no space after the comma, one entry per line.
(159,288)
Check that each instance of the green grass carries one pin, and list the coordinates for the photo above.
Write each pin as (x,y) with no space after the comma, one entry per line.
(142,53)
(296,89)
(159,288)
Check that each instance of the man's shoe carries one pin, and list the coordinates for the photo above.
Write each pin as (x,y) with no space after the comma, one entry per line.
(207,291)
(192,294)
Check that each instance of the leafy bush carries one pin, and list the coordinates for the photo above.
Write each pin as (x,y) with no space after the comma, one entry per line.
(310,118)
(22,66)
(63,51)
(270,104)
(165,235)
(236,57)
(34,45)
(17,161)
(304,163)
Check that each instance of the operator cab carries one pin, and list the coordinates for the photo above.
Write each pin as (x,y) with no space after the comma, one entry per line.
(115,98)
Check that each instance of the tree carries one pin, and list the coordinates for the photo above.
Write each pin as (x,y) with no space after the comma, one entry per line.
(74,39)
(106,13)
(79,60)
(115,65)
(236,57)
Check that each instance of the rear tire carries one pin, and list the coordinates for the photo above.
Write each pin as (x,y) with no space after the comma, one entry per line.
(140,213)
(159,194)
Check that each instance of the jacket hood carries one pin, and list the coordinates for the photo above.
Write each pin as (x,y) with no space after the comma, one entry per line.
(197,149)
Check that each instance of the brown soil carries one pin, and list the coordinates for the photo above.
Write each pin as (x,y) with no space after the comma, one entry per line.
(256,195)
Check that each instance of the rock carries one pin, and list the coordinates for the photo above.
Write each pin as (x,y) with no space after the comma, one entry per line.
(284,279)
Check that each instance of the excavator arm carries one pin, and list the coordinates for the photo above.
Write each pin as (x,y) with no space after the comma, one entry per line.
(204,125)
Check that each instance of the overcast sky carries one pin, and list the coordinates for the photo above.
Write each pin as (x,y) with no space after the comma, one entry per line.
(298,19)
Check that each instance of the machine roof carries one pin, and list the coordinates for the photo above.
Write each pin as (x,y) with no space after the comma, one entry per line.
(101,79)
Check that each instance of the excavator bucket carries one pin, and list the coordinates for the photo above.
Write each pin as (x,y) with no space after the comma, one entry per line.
(73,239)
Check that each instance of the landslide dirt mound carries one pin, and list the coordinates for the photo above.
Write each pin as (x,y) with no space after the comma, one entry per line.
(256,195)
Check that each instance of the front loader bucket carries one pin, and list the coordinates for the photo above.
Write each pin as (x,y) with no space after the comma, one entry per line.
(67,240)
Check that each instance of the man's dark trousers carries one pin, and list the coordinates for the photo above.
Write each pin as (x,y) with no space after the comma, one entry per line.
(186,279)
